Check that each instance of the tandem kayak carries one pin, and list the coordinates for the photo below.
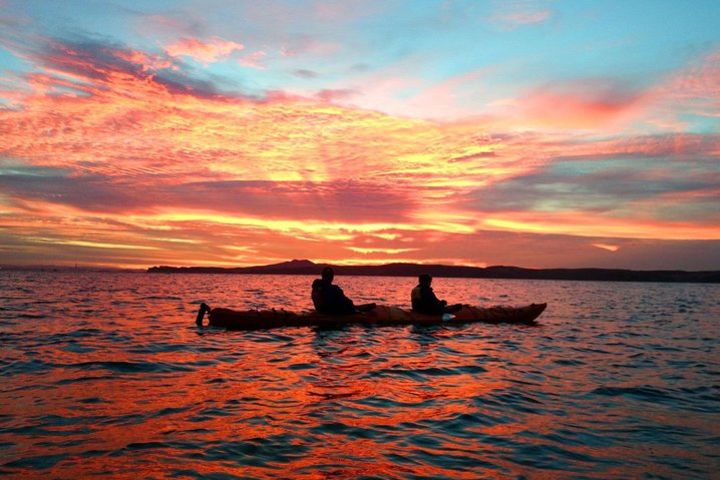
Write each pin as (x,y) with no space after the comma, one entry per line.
(380,315)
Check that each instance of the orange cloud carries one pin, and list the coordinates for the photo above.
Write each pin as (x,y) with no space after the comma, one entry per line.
(586,224)
(119,157)
(205,51)
(605,246)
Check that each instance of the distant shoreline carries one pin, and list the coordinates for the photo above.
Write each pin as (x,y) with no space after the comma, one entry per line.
(307,267)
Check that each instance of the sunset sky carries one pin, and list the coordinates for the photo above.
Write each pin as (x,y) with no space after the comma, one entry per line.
(531,133)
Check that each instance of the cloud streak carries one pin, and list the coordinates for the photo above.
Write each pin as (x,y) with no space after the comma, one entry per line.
(205,51)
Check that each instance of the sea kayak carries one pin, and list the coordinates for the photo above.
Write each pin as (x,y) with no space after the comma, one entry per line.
(380,315)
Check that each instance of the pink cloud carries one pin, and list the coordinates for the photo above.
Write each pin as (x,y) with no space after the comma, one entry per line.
(207,51)
(253,60)
(511,15)
(689,94)
(148,61)
(346,10)
(524,18)
(411,97)
(310,46)
(586,104)
(700,80)
(333,95)
(691,91)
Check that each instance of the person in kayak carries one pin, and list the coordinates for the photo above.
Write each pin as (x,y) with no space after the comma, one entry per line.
(424,300)
(329,298)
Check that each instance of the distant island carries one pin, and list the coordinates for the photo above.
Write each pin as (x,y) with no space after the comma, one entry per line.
(307,267)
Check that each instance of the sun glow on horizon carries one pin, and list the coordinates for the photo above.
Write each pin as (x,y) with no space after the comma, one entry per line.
(223,149)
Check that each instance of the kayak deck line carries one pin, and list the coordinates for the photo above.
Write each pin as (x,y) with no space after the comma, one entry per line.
(380,315)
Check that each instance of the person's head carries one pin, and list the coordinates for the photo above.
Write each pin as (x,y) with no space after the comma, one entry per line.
(424,279)
(327,274)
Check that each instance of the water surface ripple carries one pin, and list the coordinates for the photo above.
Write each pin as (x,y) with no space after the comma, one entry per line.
(105,374)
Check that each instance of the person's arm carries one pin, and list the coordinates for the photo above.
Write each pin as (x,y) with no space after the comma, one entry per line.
(337,300)
(434,300)
(346,300)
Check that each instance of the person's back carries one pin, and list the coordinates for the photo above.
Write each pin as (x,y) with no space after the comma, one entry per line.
(329,298)
(424,300)
(316,295)
(335,300)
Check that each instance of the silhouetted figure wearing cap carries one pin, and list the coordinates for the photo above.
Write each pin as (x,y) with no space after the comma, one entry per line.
(331,299)
(424,300)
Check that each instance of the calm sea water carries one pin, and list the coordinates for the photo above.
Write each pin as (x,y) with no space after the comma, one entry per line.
(105,374)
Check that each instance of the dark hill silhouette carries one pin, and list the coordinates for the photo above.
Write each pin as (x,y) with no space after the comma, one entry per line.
(307,267)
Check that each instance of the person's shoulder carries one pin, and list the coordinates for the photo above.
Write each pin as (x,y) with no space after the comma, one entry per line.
(317,283)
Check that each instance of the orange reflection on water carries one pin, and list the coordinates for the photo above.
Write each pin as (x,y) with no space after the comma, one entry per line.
(110,377)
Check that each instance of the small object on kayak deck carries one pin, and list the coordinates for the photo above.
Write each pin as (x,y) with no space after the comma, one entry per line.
(446,317)
(379,315)
(201,314)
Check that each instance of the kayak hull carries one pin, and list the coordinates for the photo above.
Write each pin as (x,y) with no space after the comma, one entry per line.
(380,315)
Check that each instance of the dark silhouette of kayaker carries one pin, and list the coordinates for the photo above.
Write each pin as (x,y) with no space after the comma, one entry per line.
(424,300)
(329,298)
